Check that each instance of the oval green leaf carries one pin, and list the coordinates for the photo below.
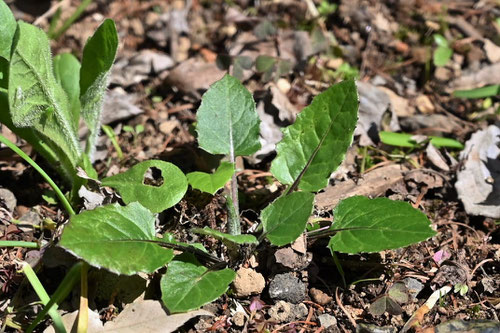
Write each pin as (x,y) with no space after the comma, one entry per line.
(285,219)
(188,285)
(315,145)
(228,123)
(407,140)
(116,238)
(67,73)
(373,225)
(158,197)
(7,30)
(236,239)
(211,183)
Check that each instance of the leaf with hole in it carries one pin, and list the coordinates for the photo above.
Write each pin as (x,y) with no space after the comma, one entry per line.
(236,239)
(98,56)
(373,225)
(66,71)
(315,145)
(227,120)
(7,30)
(285,219)
(37,101)
(158,194)
(211,183)
(116,238)
(188,285)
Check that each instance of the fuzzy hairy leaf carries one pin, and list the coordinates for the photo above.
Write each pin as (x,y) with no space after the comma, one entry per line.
(98,56)
(7,30)
(286,218)
(132,185)
(116,238)
(188,285)
(315,145)
(211,183)
(36,100)
(373,225)
(236,239)
(67,73)
(227,120)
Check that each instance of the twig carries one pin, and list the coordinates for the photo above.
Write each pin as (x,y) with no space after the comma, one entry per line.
(339,302)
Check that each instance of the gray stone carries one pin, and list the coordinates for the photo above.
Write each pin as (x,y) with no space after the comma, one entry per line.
(7,199)
(281,312)
(479,326)
(414,287)
(370,328)
(288,288)
(327,320)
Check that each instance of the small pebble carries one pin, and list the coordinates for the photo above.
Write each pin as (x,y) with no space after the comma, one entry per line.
(287,287)
(248,282)
(319,296)
(327,320)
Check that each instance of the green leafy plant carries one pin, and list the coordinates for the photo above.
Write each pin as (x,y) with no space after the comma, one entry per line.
(227,124)
(443,52)
(42,99)
(412,141)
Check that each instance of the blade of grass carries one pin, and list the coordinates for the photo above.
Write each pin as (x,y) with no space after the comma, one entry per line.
(60,294)
(78,12)
(28,245)
(83,314)
(47,178)
(44,297)
(112,136)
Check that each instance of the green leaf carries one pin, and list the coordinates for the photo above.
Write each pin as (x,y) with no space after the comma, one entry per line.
(407,140)
(440,40)
(132,185)
(36,100)
(236,239)
(211,183)
(7,30)
(67,73)
(285,219)
(227,120)
(263,63)
(385,303)
(373,225)
(442,55)
(488,91)
(188,285)
(315,145)
(116,238)
(98,57)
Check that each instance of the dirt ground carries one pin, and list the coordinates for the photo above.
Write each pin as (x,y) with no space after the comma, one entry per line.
(172,51)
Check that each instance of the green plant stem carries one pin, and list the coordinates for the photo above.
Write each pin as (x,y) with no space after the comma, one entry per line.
(29,245)
(234,226)
(363,161)
(83,314)
(78,12)
(44,297)
(112,136)
(59,295)
(47,178)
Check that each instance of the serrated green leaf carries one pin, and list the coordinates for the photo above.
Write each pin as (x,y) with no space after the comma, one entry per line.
(263,63)
(285,219)
(227,119)
(442,55)
(67,73)
(487,91)
(188,285)
(211,183)
(37,101)
(315,145)
(407,140)
(7,30)
(98,57)
(236,239)
(132,187)
(373,225)
(116,238)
